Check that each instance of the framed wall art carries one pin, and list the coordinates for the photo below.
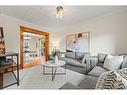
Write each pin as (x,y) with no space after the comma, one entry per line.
(78,42)
(2,42)
(1,32)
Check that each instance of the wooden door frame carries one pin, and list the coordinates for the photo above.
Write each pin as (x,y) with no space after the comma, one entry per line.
(34,31)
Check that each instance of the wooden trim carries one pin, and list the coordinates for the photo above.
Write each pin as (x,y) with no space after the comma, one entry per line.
(34,31)
(47,47)
(21,48)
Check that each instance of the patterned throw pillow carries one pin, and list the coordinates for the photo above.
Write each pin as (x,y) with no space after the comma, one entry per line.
(121,81)
(101,80)
(113,80)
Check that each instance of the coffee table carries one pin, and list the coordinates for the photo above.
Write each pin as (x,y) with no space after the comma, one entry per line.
(54,66)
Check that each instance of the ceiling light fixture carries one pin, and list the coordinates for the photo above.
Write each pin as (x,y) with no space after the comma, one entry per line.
(59,14)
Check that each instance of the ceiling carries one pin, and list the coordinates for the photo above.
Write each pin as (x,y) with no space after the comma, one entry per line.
(45,16)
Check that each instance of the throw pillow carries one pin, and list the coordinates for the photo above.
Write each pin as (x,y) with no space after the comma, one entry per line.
(112,80)
(124,64)
(101,79)
(62,55)
(121,81)
(104,81)
(113,62)
(70,55)
(84,58)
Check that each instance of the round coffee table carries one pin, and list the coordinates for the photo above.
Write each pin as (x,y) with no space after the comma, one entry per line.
(52,65)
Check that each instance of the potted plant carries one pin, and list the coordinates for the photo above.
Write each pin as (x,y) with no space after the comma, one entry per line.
(56,54)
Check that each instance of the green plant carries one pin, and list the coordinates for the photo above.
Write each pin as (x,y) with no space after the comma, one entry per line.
(56,52)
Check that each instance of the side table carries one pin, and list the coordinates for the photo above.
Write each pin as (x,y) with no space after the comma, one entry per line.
(52,65)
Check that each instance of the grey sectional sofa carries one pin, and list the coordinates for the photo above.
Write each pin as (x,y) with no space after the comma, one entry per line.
(95,67)
(74,60)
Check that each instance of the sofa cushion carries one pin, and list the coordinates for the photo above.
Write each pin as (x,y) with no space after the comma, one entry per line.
(101,57)
(78,69)
(69,86)
(80,55)
(70,55)
(89,82)
(100,64)
(124,64)
(97,71)
(113,62)
(79,60)
(72,62)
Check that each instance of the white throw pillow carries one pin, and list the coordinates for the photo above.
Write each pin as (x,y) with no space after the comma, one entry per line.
(113,62)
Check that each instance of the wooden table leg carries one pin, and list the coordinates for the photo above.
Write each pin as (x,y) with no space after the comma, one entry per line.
(1,81)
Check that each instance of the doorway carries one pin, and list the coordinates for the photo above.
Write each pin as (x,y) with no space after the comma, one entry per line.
(33,45)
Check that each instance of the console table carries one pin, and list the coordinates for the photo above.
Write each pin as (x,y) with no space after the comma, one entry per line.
(6,67)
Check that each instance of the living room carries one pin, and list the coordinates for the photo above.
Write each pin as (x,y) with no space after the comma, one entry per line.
(86,41)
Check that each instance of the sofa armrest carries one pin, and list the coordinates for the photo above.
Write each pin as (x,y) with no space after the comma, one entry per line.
(91,62)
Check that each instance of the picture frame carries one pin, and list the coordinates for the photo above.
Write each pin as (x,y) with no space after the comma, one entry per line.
(1,32)
(78,42)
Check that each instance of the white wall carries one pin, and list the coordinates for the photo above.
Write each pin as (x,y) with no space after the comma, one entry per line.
(108,33)
(11,28)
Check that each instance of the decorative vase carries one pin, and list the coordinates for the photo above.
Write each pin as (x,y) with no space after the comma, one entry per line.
(56,59)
